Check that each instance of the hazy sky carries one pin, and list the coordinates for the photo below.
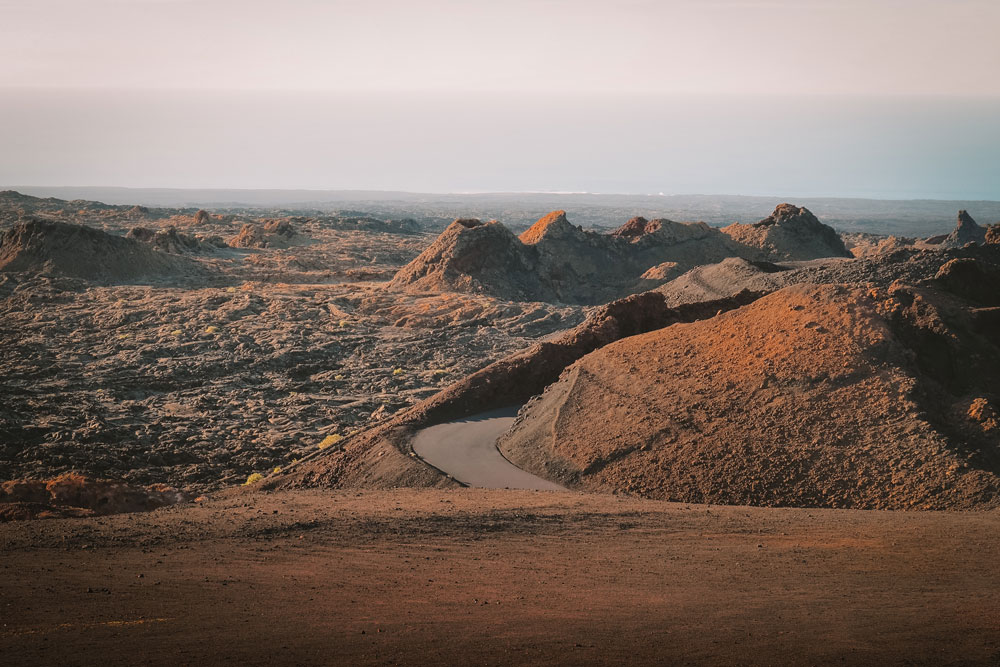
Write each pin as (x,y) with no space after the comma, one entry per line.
(885,98)
(715,46)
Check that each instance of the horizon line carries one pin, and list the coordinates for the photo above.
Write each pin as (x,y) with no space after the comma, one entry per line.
(881,94)
(473,193)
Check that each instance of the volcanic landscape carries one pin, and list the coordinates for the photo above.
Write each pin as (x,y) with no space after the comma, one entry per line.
(413,439)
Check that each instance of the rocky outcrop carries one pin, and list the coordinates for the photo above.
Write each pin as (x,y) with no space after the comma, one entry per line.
(789,233)
(966,231)
(273,234)
(971,279)
(58,248)
(552,228)
(472,256)
(172,241)
(905,264)
(636,228)
(555,260)
(993,234)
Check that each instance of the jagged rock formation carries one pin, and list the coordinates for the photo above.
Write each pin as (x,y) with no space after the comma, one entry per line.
(586,267)
(472,256)
(816,395)
(172,241)
(273,234)
(552,227)
(789,233)
(555,260)
(59,248)
(993,233)
(966,231)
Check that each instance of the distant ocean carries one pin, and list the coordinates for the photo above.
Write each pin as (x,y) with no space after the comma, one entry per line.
(893,147)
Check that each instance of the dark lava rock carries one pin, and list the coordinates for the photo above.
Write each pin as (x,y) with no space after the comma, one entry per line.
(966,231)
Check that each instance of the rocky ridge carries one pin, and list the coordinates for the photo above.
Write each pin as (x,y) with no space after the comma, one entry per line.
(58,248)
(556,261)
(272,234)
(789,233)
(175,242)
(816,395)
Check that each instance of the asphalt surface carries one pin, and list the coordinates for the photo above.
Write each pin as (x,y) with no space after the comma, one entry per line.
(466,450)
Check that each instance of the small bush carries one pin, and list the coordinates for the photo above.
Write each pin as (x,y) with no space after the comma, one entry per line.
(211,329)
(330,440)
(253,479)
(397,371)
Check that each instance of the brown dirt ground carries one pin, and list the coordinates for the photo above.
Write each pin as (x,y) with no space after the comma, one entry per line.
(487,577)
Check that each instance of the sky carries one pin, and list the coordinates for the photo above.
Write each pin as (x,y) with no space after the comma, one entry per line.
(881,97)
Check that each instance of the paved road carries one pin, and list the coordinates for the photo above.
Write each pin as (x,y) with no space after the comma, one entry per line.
(467,450)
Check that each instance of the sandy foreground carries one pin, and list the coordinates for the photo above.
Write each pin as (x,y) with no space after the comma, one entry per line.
(499,577)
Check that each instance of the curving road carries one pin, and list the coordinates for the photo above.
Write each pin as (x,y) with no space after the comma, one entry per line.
(466,449)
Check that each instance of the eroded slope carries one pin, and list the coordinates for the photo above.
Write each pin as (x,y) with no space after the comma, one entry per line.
(816,395)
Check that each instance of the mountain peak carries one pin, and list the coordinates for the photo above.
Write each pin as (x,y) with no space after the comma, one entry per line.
(553,222)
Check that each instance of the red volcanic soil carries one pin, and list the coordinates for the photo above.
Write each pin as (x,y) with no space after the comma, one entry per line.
(493,577)
(816,395)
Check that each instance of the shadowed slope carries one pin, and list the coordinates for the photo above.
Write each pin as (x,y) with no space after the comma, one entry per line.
(58,248)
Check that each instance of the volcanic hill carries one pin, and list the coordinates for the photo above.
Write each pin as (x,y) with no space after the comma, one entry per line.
(789,233)
(966,231)
(854,388)
(557,261)
(816,395)
(77,251)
